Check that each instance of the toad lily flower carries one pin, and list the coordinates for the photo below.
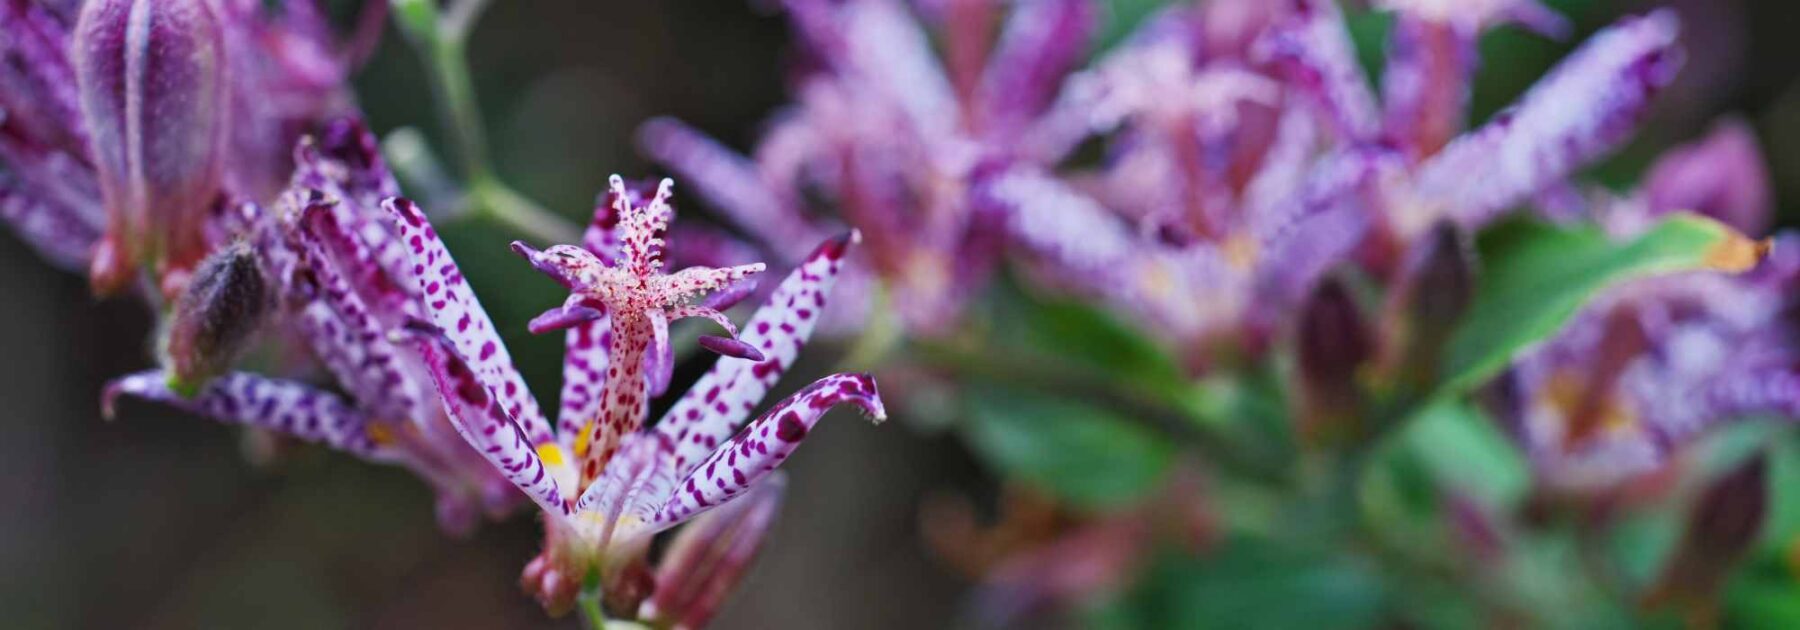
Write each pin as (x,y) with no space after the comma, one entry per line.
(891,136)
(1265,168)
(604,485)
(337,273)
(1657,361)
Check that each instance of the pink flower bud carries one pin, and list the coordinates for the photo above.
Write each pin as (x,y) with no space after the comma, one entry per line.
(152,92)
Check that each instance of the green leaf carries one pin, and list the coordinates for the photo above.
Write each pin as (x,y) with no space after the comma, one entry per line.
(1536,276)
(1081,453)
(1249,583)
(1764,595)
(1095,339)
(1466,453)
(418,19)
(1121,18)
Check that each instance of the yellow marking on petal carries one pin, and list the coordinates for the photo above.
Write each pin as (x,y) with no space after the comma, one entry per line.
(1241,251)
(1736,253)
(582,439)
(379,434)
(551,453)
(1156,280)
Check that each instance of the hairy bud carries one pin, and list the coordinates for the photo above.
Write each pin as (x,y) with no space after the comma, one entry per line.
(150,74)
(216,317)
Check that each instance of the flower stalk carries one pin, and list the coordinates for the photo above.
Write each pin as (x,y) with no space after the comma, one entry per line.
(442,43)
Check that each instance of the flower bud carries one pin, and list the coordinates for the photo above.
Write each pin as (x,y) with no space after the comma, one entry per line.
(1333,343)
(150,75)
(1723,525)
(1436,287)
(709,556)
(216,317)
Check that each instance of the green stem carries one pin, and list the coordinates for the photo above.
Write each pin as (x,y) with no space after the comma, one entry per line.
(441,43)
(456,92)
(590,610)
(502,204)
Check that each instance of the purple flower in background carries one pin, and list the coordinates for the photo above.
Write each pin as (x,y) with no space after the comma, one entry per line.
(127,126)
(605,486)
(1655,362)
(892,138)
(1258,168)
(1244,154)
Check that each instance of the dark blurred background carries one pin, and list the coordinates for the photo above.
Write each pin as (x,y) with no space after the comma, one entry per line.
(157,520)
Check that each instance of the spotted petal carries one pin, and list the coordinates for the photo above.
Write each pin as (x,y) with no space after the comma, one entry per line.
(1313,48)
(485,424)
(709,556)
(453,308)
(586,351)
(1039,44)
(284,406)
(766,443)
(1586,106)
(345,335)
(712,409)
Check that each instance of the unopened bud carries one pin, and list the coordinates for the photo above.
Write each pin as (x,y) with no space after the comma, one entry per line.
(216,317)
(1436,287)
(151,79)
(546,583)
(1333,343)
(709,556)
(1723,525)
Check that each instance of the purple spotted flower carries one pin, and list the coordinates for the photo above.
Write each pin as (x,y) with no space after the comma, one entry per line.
(129,121)
(340,283)
(1657,361)
(605,484)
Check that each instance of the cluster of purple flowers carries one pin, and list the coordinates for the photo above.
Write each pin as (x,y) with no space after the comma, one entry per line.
(1242,156)
(1202,178)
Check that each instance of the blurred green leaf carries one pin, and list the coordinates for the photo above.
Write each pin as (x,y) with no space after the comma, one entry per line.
(1121,18)
(1463,450)
(1535,276)
(1093,338)
(1368,33)
(1249,583)
(418,19)
(1783,526)
(1764,595)
(1054,334)
(1083,454)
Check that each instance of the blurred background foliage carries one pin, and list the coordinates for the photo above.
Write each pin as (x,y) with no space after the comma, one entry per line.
(165,521)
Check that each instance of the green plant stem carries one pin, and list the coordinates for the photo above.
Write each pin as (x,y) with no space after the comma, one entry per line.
(504,205)
(590,610)
(444,49)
